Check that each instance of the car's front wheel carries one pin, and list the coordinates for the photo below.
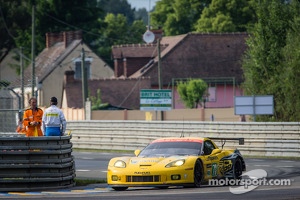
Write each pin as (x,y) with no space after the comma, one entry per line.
(198,174)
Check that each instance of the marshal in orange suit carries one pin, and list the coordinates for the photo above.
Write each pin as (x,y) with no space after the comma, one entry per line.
(32,119)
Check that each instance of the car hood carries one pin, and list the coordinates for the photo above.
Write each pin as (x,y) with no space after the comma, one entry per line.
(151,161)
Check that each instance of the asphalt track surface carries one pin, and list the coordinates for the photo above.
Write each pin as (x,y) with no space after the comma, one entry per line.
(93,166)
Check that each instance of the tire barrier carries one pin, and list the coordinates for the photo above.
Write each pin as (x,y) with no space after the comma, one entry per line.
(36,163)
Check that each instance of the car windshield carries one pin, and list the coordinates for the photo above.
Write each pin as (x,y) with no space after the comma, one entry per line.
(166,149)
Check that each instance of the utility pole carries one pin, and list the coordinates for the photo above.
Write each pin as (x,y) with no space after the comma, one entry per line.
(22,78)
(33,52)
(84,79)
(159,65)
(159,74)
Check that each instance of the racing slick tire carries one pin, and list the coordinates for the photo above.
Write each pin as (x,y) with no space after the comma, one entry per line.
(198,174)
(237,169)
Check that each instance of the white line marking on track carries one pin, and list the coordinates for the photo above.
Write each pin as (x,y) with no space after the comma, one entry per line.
(262,165)
(86,158)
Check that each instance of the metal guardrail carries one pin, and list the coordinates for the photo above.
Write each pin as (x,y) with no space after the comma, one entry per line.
(260,138)
(35,163)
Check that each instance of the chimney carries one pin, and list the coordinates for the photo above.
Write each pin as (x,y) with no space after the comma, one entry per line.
(53,38)
(158,33)
(66,37)
(69,76)
(70,36)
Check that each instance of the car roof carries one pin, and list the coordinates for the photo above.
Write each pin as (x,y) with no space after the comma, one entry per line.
(180,139)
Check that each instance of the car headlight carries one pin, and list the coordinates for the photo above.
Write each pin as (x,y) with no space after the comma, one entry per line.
(176,163)
(120,164)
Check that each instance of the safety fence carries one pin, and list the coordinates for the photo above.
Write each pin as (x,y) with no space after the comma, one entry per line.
(35,163)
(260,138)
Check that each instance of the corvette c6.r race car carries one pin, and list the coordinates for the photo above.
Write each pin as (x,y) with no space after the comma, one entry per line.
(178,161)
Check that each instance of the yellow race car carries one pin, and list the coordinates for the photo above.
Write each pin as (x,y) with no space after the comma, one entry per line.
(178,161)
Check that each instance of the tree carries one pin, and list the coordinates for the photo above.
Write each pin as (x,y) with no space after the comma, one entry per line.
(227,16)
(14,18)
(136,31)
(57,16)
(142,14)
(264,70)
(291,74)
(177,16)
(118,7)
(118,31)
(97,102)
(50,16)
(192,92)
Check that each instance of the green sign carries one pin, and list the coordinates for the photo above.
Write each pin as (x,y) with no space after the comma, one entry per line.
(155,99)
(214,169)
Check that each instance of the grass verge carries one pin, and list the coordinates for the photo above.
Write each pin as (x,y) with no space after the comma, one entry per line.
(84,182)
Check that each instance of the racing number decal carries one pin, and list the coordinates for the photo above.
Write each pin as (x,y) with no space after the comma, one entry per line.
(214,169)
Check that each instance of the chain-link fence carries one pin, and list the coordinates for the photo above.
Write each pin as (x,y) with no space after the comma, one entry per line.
(9,110)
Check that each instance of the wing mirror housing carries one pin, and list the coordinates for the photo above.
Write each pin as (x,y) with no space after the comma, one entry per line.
(137,152)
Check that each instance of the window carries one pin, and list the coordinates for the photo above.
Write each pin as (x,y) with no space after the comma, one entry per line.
(212,94)
(77,68)
(208,147)
(171,148)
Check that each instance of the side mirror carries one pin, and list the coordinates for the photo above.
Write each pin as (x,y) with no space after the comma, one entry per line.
(215,151)
(137,152)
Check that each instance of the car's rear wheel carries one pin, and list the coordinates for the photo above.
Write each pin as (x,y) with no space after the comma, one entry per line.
(119,188)
(198,174)
(237,169)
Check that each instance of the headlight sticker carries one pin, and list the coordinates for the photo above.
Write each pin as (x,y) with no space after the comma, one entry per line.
(134,161)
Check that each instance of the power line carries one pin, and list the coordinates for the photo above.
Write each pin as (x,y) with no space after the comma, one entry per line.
(76,27)
(133,88)
(5,25)
(88,32)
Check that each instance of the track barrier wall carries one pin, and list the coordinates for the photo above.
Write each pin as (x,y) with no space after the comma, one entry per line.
(260,138)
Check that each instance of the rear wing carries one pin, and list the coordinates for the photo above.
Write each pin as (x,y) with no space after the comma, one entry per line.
(223,140)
